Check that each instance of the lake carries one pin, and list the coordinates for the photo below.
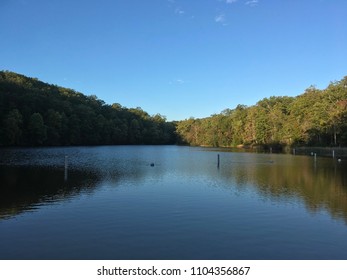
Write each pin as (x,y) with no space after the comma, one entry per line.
(110,203)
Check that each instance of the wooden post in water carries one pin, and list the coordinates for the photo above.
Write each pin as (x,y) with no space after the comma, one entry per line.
(333,153)
(65,169)
(218,161)
(315,156)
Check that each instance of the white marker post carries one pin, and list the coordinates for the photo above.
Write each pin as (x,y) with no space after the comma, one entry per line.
(66,166)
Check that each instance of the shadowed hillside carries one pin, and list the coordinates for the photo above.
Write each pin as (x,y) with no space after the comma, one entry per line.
(35,113)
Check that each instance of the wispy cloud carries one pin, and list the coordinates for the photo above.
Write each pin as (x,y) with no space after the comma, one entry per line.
(252,3)
(179,11)
(173,5)
(230,1)
(220,18)
(177,82)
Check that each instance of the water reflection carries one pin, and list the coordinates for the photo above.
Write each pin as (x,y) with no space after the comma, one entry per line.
(321,184)
(26,188)
(115,205)
(30,178)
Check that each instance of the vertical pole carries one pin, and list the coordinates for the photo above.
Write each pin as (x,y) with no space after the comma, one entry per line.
(294,151)
(270,150)
(315,156)
(65,169)
(333,153)
(218,160)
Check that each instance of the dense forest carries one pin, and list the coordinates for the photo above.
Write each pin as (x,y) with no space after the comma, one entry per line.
(314,118)
(35,113)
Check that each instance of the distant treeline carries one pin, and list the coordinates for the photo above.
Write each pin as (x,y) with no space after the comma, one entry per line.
(36,113)
(314,118)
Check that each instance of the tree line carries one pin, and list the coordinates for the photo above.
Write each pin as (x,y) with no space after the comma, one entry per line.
(314,118)
(35,113)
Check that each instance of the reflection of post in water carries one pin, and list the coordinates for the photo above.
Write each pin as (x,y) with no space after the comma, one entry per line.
(218,161)
(65,169)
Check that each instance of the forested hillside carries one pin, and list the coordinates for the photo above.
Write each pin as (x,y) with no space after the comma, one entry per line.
(316,117)
(36,113)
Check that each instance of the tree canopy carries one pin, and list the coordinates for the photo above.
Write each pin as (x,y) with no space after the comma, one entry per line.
(316,117)
(36,113)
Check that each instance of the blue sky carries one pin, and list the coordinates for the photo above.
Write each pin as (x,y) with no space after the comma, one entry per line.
(179,58)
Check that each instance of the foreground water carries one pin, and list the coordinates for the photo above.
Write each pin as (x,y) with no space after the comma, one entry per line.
(112,204)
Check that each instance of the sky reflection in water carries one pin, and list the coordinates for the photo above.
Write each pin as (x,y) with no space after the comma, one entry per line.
(114,205)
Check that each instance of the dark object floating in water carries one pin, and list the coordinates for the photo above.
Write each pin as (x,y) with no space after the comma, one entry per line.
(152,164)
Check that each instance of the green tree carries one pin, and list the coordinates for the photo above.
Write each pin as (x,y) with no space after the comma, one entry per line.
(37,129)
(12,128)
(135,136)
(54,127)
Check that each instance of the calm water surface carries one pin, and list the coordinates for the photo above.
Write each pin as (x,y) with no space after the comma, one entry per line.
(112,204)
